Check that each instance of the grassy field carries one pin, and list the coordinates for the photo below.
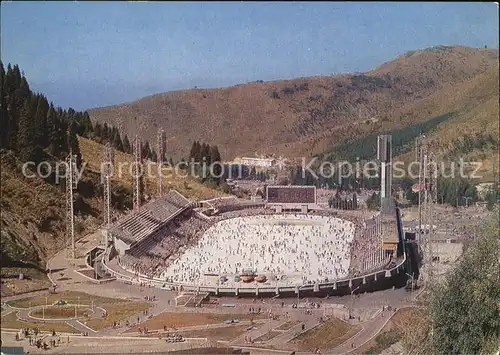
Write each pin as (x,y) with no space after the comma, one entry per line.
(60,312)
(326,336)
(383,341)
(268,336)
(71,297)
(117,312)
(179,320)
(10,321)
(288,325)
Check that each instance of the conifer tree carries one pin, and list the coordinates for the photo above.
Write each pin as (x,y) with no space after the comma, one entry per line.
(105,133)
(205,154)
(126,145)
(146,151)
(73,144)
(215,158)
(197,156)
(117,142)
(214,154)
(22,91)
(40,117)
(154,156)
(98,132)
(192,152)
(52,130)
(4,116)
(87,125)
(26,133)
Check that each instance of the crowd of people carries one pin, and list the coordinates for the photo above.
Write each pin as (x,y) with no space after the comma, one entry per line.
(297,248)
(153,254)
(290,249)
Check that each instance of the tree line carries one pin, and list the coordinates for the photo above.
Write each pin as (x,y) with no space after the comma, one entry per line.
(343,203)
(452,191)
(461,314)
(201,157)
(36,130)
(33,128)
(402,140)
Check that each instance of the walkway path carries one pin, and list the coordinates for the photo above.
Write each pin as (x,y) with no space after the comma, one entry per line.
(369,330)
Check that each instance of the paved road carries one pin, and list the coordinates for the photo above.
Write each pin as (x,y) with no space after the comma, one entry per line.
(369,330)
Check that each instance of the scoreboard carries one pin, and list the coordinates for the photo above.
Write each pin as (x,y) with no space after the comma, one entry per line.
(291,194)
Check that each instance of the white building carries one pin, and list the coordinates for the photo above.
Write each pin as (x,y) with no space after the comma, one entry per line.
(260,162)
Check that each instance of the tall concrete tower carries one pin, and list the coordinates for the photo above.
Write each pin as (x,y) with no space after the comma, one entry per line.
(384,155)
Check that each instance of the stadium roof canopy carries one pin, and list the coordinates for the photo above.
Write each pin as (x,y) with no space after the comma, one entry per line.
(138,225)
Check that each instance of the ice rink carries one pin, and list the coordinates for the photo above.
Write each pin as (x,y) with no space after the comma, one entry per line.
(293,249)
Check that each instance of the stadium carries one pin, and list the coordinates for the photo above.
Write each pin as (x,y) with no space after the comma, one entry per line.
(286,245)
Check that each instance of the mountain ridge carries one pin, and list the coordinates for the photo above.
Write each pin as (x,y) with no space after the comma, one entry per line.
(301,116)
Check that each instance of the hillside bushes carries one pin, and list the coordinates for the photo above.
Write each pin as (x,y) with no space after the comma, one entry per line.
(402,139)
(465,312)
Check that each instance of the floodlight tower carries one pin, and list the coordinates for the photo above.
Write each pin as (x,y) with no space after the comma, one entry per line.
(109,157)
(428,173)
(384,155)
(160,149)
(137,171)
(71,185)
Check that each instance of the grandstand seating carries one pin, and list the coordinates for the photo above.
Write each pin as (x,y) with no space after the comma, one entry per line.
(169,251)
(152,216)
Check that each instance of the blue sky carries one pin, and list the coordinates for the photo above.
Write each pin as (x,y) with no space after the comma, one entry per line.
(92,54)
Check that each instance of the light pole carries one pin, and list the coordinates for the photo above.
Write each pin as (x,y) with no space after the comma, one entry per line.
(412,285)
(43,316)
(352,300)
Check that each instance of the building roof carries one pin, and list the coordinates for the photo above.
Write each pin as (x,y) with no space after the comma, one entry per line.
(150,217)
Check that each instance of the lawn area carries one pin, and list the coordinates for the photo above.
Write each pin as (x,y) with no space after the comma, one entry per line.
(383,341)
(288,325)
(268,336)
(180,320)
(117,312)
(182,300)
(59,312)
(326,336)
(221,333)
(11,321)
(70,297)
